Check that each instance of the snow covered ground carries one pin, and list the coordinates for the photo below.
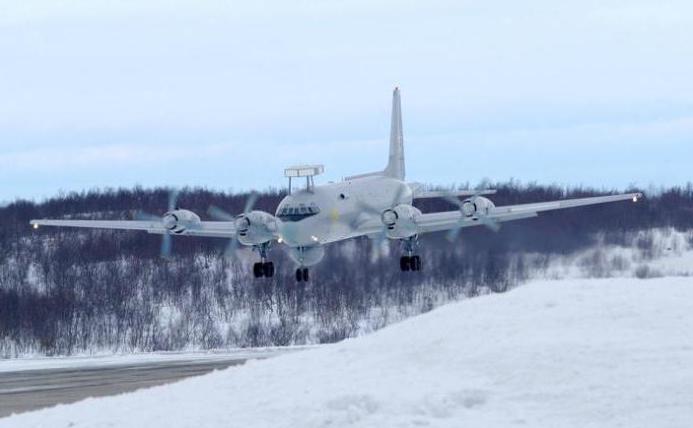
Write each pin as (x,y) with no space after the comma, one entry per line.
(572,353)
(645,254)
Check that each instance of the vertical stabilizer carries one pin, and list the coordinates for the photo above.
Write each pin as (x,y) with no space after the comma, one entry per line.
(395,165)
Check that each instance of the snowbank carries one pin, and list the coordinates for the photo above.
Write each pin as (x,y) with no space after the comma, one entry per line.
(574,353)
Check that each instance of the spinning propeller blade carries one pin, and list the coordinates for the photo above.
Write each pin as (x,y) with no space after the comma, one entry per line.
(145,216)
(173,199)
(380,240)
(166,244)
(221,215)
(485,221)
(250,203)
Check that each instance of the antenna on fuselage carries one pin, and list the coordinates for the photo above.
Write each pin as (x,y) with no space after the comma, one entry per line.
(307,171)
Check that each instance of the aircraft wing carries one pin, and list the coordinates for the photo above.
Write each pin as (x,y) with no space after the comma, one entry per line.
(220,229)
(447,220)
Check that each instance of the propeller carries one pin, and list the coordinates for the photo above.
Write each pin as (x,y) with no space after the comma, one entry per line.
(173,199)
(166,240)
(221,215)
(485,221)
(366,207)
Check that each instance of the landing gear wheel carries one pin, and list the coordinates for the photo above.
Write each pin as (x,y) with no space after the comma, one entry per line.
(299,275)
(404,263)
(258,271)
(305,274)
(415,263)
(410,263)
(268,269)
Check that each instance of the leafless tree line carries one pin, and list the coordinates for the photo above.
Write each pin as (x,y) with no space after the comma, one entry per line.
(73,291)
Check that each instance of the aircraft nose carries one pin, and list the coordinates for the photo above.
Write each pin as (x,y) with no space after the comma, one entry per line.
(292,234)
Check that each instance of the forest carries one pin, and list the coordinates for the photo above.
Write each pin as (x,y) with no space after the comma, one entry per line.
(67,291)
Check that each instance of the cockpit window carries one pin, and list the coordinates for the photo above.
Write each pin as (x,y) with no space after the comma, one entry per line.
(298,212)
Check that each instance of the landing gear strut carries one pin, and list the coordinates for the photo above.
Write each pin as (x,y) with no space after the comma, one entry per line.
(301,271)
(410,262)
(302,274)
(263,268)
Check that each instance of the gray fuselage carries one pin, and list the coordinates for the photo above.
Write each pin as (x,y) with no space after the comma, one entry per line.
(332,212)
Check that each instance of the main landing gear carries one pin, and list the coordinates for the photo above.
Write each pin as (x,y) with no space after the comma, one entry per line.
(410,262)
(263,268)
(302,274)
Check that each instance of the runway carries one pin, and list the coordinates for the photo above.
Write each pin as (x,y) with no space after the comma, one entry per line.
(25,390)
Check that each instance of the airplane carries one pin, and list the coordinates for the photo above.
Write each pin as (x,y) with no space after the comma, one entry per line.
(378,205)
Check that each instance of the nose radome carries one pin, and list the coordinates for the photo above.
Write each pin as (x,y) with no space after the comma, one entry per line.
(293,235)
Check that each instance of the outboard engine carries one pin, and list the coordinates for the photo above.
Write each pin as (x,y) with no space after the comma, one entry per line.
(476,207)
(178,221)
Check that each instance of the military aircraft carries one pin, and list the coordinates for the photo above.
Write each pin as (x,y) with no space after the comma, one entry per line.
(377,204)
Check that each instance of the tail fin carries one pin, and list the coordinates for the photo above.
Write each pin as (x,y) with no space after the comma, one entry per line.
(395,164)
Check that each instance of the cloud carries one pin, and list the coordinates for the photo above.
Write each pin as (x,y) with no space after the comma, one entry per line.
(97,91)
(62,158)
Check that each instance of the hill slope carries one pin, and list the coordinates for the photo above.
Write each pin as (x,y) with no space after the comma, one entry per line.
(613,352)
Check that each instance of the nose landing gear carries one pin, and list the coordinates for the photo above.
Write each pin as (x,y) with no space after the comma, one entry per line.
(265,269)
(302,274)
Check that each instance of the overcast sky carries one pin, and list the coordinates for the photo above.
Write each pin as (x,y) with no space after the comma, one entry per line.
(226,94)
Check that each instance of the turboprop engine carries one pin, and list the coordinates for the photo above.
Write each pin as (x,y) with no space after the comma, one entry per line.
(476,207)
(178,221)
(255,227)
(400,221)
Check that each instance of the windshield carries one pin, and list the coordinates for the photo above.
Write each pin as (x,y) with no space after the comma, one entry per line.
(297,212)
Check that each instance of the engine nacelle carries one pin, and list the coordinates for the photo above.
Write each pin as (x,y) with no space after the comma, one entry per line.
(476,207)
(400,221)
(178,221)
(255,227)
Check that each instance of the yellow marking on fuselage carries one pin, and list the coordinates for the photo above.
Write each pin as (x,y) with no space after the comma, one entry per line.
(334,215)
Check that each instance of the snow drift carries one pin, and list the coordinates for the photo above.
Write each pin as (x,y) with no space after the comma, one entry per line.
(575,353)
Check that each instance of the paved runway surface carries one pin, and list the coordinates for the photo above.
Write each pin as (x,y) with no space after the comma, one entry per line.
(21,391)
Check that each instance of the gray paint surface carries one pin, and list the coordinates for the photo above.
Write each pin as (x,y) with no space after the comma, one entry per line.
(23,391)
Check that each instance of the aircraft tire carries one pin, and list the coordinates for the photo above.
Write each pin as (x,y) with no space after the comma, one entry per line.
(258,270)
(415,263)
(268,269)
(404,263)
